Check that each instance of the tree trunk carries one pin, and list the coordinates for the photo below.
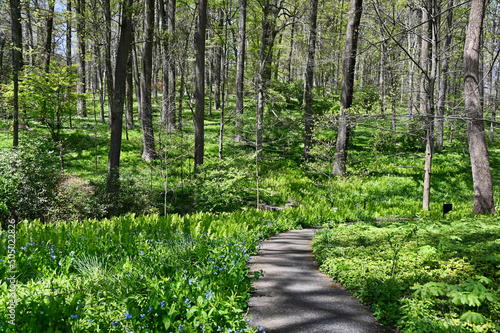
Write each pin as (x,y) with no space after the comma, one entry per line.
(443,83)
(149,152)
(199,123)
(48,39)
(240,69)
(432,33)
(68,33)
(81,86)
(17,35)
(310,79)
(481,172)
(115,144)
(341,150)
(267,37)
(217,74)
(107,56)
(130,94)
(171,64)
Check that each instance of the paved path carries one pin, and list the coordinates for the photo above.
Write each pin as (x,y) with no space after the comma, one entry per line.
(295,297)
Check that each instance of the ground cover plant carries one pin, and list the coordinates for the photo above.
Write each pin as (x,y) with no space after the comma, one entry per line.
(136,274)
(423,275)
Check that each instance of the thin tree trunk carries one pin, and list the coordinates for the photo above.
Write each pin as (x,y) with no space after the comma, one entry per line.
(290,54)
(443,83)
(481,172)
(240,69)
(81,87)
(68,32)
(199,123)
(341,150)
(137,81)
(48,39)
(17,35)
(310,79)
(149,151)
(218,61)
(130,94)
(432,31)
(119,98)
(268,35)
(171,9)
(107,56)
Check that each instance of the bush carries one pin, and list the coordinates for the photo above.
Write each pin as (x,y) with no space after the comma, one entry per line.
(27,187)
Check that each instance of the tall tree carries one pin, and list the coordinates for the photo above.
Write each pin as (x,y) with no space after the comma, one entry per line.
(107,55)
(171,10)
(48,39)
(81,87)
(199,121)
(443,83)
(240,68)
(351,46)
(115,144)
(148,139)
(270,13)
(310,78)
(15,14)
(480,162)
(69,37)
(217,72)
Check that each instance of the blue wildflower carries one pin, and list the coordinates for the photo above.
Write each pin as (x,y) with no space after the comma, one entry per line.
(128,316)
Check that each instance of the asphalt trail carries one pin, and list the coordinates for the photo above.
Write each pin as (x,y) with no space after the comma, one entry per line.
(295,297)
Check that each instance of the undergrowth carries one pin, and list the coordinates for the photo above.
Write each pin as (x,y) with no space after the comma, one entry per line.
(421,276)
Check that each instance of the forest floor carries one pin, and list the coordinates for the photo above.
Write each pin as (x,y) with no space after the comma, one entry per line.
(291,294)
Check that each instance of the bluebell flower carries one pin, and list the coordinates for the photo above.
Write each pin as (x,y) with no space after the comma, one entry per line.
(128,316)
(162,303)
(74,316)
(181,328)
(114,323)
(142,316)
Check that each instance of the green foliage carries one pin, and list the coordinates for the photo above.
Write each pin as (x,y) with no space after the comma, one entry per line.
(425,276)
(151,273)
(29,176)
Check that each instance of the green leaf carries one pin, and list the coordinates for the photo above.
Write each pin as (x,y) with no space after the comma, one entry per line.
(473,317)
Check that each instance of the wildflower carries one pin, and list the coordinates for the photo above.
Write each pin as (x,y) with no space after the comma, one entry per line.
(142,316)
(128,316)
(72,252)
(208,295)
(181,328)
(114,323)
(74,316)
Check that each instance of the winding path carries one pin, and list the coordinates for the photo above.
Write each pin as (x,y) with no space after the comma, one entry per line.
(294,296)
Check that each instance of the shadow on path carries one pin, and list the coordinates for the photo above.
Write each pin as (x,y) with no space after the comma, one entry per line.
(295,297)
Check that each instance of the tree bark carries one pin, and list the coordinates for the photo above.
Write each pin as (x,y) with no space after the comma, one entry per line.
(81,86)
(149,151)
(48,39)
(267,37)
(171,9)
(240,69)
(443,83)
(15,14)
(481,172)
(309,79)
(107,56)
(217,74)
(68,32)
(199,123)
(130,94)
(124,45)
(341,150)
